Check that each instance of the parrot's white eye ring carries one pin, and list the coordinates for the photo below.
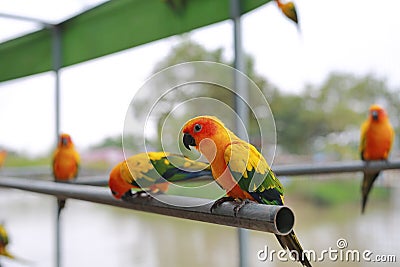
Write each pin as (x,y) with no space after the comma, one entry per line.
(197,128)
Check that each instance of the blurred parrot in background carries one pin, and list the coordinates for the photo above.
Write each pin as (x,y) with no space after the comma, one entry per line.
(289,10)
(148,171)
(239,169)
(376,140)
(65,163)
(3,155)
(4,242)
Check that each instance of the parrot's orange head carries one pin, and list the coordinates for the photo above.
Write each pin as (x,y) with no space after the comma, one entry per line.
(65,140)
(377,113)
(205,133)
(119,188)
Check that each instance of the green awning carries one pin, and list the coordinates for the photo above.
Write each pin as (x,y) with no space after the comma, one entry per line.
(111,27)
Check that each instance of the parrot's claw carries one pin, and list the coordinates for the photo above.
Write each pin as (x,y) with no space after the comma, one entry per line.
(220,201)
(142,194)
(128,195)
(239,206)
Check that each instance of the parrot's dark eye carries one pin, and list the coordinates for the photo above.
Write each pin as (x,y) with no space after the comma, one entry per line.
(197,128)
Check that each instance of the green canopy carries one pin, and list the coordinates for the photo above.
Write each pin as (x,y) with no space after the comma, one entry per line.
(111,27)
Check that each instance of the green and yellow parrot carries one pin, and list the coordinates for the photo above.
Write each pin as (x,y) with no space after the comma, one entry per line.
(239,169)
(4,241)
(153,171)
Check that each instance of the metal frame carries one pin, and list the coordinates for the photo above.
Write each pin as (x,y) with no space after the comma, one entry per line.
(57,64)
(240,107)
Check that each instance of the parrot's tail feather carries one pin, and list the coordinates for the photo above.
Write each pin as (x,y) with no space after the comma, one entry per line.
(24,261)
(7,254)
(60,204)
(369,179)
(291,243)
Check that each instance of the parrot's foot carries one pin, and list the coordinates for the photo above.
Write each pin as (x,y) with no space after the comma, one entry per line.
(141,193)
(239,206)
(128,195)
(220,201)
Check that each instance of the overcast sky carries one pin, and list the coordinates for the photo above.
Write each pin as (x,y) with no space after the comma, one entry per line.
(359,37)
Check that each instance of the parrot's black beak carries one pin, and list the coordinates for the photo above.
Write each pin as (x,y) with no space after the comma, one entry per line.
(374,115)
(188,141)
(64,141)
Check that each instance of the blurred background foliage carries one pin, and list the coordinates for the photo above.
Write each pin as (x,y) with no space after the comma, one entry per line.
(321,122)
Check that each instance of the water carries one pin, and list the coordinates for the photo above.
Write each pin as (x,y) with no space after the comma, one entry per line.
(98,235)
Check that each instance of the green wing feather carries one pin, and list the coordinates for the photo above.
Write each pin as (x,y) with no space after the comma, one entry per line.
(3,236)
(253,174)
(146,169)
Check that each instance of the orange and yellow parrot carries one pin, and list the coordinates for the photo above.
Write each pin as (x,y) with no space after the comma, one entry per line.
(289,10)
(376,140)
(4,242)
(239,169)
(153,171)
(65,162)
(3,155)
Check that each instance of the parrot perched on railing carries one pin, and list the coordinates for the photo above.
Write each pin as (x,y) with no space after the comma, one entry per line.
(3,156)
(66,162)
(153,171)
(239,169)
(376,141)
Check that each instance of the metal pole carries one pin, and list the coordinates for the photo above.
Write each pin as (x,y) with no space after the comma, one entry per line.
(56,55)
(56,52)
(260,217)
(241,108)
(24,18)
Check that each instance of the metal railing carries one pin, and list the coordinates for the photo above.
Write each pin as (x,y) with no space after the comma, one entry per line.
(253,216)
(267,218)
(335,167)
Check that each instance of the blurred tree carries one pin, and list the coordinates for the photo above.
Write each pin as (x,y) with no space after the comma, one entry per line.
(116,141)
(187,51)
(328,117)
(321,118)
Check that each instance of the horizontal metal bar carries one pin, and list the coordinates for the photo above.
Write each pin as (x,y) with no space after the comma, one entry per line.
(280,170)
(86,176)
(335,167)
(267,218)
(25,18)
(26,171)
(98,180)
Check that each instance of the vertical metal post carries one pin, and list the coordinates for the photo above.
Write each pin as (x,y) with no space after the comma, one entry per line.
(241,108)
(56,55)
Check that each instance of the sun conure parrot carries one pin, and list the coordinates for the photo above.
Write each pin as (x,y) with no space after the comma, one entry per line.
(65,163)
(238,168)
(376,140)
(4,242)
(153,171)
(289,10)
(3,155)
